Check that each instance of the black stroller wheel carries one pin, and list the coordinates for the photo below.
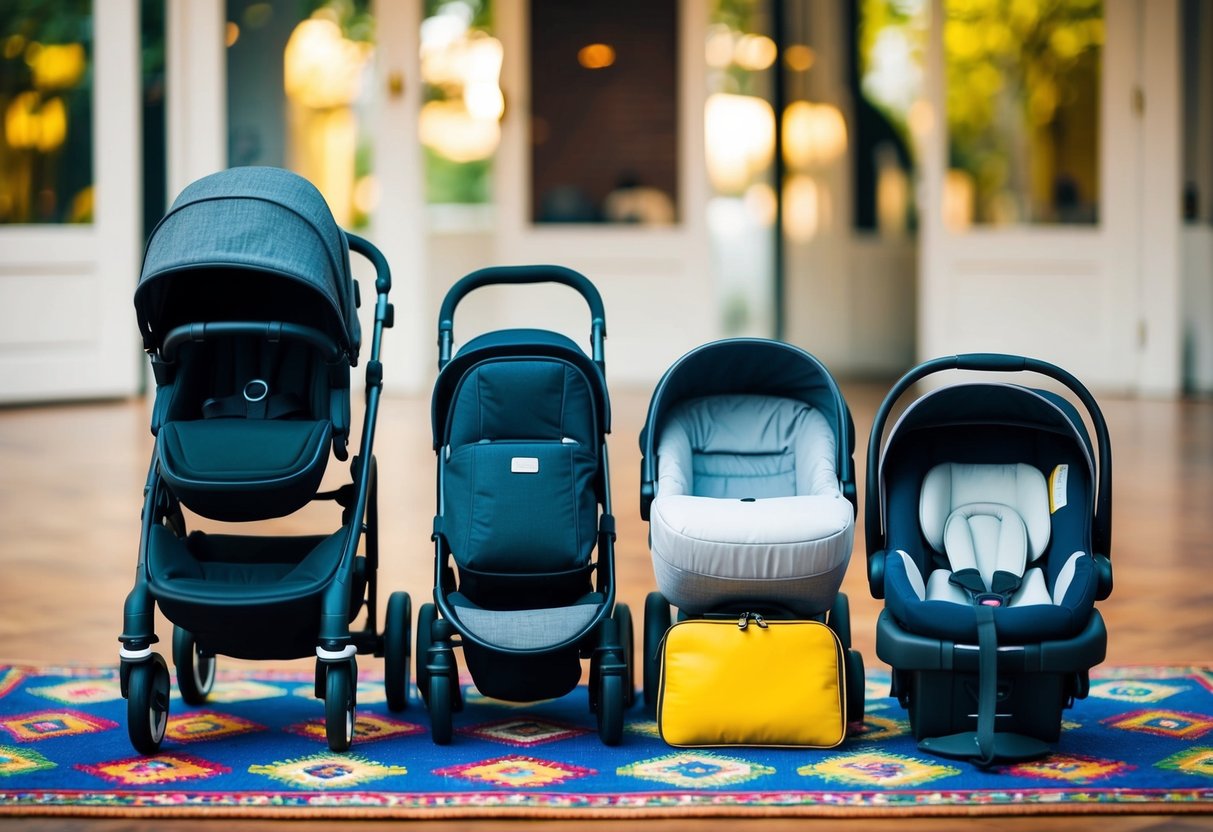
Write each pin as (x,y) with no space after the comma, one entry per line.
(340,711)
(426,616)
(656,622)
(195,671)
(147,704)
(610,709)
(440,709)
(840,619)
(396,647)
(627,640)
(856,686)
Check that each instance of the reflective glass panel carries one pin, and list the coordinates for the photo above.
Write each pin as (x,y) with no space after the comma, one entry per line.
(46,96)
(604,111)
(460,121)
(298,86)
(1022,111)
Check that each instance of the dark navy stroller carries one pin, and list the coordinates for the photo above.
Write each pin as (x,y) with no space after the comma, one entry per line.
(747,480)
(989,524)
(246,305)
(519,420)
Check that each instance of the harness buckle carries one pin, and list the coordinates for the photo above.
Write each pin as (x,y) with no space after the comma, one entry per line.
(256,390)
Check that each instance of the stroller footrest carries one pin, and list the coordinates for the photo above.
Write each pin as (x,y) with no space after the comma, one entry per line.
(529,629)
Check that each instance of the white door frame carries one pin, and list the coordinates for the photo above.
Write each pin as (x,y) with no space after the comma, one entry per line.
(1110,292)
(67,324)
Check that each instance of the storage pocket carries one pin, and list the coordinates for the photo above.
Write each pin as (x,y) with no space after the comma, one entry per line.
(521,506)
(754,682)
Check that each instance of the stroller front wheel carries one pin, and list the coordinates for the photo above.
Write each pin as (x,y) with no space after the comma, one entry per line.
(440,709)
(340,712)
(656,622)
(610,709)
(147,704)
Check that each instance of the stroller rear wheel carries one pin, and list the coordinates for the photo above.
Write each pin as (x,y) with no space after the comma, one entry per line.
(623,614)
(426,616)
(195,671)
(396,646)
(339,705)
(856,686)
(147,704)
(840,619)
(656,622)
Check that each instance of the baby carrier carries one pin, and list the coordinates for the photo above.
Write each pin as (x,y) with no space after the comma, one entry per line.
(246,305)
(519,420)
(747,481)
(988,533)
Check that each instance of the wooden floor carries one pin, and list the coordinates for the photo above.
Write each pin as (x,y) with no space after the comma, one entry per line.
(71,478)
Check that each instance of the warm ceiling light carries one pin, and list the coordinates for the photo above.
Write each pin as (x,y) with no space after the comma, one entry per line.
(596,56)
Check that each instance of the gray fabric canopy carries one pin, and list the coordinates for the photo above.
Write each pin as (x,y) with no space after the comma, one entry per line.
(260,232)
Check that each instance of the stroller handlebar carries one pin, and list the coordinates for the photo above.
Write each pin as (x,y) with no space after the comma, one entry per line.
(383,274)
(518,275)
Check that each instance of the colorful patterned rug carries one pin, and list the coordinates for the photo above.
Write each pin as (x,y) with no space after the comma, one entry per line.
(1140,743)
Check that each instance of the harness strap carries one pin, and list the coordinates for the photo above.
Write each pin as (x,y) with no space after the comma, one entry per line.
(987,685)
(241,406)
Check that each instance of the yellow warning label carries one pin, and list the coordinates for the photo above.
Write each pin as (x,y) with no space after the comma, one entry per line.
(1057,487)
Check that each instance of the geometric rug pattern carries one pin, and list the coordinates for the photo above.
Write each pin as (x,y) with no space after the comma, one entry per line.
(1141,742)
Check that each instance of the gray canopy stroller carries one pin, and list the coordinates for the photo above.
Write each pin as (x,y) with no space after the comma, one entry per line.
(246,305)
(748,484)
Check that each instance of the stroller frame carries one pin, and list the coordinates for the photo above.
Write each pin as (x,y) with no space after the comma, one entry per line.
(144,675)
(606,639)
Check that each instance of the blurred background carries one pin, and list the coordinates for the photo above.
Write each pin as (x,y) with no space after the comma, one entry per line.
(878,181)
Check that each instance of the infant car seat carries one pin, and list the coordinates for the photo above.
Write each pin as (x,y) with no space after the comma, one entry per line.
(988,525)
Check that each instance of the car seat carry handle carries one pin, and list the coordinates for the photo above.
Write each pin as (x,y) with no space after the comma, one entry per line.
(1101,531)
(498,275)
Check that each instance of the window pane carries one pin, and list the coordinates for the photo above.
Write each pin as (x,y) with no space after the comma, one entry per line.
(46,95)
(1023,111)
(604,124)
(460,120)
(297,82)
(890,45)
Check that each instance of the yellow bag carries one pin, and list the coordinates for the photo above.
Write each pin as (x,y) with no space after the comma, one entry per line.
(747,681)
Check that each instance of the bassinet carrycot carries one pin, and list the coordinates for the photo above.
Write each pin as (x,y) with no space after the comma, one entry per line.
(747,481)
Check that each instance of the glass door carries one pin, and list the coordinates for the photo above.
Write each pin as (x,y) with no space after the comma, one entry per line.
(69,199)
(1033,228)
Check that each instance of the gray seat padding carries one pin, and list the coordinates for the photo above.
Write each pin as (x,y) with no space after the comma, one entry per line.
(748,507)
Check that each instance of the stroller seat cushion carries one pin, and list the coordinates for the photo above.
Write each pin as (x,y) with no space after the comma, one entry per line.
(737,446)
(527,629)
(1017,486)
(213,465)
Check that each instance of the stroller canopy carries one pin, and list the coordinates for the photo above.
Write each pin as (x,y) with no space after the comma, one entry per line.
(248,243)
(750,365)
